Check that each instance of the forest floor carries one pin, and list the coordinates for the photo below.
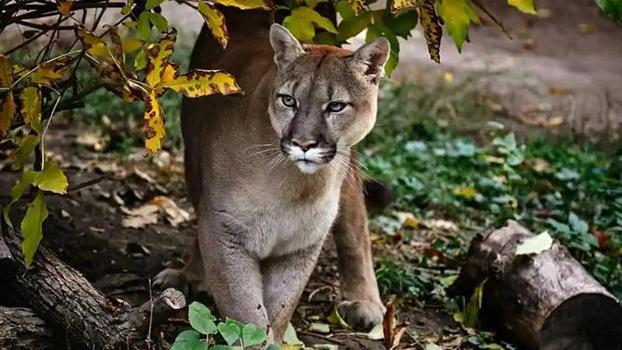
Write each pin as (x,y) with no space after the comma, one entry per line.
(465,145)
(135,220)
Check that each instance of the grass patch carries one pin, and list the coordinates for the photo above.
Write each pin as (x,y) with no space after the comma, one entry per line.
(573,191)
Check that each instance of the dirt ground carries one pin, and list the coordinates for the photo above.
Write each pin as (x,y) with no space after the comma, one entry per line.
(560,74)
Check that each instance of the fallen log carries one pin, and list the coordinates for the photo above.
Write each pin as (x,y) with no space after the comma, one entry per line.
(543,301)
(22,329)
(74,308)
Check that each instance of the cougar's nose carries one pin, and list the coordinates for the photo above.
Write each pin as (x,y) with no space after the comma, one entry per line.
(304,144)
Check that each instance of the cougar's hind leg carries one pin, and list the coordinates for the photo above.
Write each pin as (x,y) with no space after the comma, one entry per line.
(361,306)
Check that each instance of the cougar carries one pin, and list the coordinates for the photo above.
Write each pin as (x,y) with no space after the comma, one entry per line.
(271,173)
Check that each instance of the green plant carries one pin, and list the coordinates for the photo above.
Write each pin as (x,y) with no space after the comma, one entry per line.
(574,191)
(206,328)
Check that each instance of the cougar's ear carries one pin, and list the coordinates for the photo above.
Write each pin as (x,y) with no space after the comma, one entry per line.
(371,57)
(286,47)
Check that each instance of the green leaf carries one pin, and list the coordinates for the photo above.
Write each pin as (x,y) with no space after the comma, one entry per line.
(471,312)
(335,319)
(290,337)
(577,225)
(27,178)
(302,20)
(201,318)
(535,245)
(189,340)
(140,61)
(457,15)
(525,6)
(613,8)
(352,26)
(344,9)
(52,179)
(143,27)
(25,148)
(151,4)
(230,331)
(32,227)
(273,347)
(252,335)
(403,24)
(159,22)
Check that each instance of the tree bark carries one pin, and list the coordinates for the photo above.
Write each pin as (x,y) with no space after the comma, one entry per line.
(21,329)
(547,301)
(71,305)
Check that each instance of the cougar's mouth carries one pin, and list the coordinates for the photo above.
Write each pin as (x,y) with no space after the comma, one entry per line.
(311,160)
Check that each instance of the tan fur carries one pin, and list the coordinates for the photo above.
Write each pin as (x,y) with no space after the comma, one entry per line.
(263,215)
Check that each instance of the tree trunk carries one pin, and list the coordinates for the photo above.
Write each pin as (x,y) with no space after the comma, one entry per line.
(21,329)
(71,305)
(547,301)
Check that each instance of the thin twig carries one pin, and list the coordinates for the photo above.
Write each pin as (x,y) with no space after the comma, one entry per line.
(492,17)
(313,334)
(86,184)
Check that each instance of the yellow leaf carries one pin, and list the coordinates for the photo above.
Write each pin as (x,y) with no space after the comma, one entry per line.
(25,147)
(198,83)
(158,55)
(399,5)
(51,179)
(32,227)
(117,51)
(215,21)
(7,111)
(64,7)
(6,72)
(93,45)
(169,74)
(407,220)
(357,6)
(457,15)
(525,6)
(248,4)
(154,123)
(431,29)
(466,192)
(131,45)
(31,107)
(51,71)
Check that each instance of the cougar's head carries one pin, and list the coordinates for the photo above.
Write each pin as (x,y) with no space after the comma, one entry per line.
(324,98)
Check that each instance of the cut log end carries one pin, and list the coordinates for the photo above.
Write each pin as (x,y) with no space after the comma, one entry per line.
(543,301)
(587,318)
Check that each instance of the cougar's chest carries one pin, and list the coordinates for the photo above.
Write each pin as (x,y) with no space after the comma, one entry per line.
(278,227)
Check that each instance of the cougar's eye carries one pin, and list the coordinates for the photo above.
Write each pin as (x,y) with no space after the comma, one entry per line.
(335,107)
(288,101)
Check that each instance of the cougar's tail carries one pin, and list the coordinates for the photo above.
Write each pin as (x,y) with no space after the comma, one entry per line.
(378,195)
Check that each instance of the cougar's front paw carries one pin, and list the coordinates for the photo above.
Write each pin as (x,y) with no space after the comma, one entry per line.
(171,278)
(361,314)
